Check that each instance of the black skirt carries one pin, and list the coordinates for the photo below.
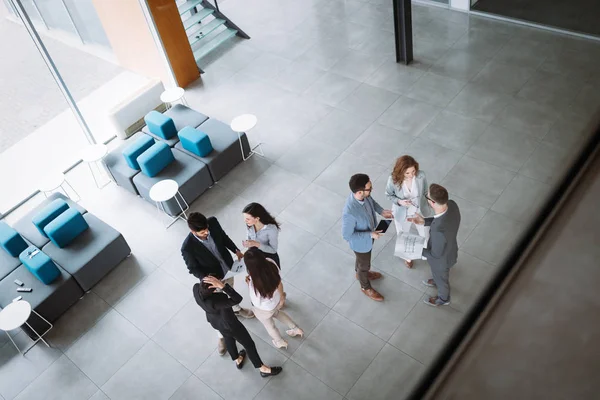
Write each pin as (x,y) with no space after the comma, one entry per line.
(274,257)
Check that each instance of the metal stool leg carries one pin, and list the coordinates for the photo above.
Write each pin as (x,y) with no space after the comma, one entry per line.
(73,189)
(14,344)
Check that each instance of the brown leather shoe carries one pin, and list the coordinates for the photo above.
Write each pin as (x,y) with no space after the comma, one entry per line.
(372,294)
(372,275)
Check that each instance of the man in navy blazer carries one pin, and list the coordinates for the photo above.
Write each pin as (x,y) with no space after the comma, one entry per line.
(442,248)
(358,229)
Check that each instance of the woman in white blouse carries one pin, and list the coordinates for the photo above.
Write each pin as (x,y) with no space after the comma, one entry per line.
(407,188)
(263,231)
(266,295)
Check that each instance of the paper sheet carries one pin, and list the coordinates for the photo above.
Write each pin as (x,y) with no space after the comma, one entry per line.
(409,246)
(237,268)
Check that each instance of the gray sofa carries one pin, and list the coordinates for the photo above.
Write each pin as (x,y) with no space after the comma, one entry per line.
(182,116)
(121,172)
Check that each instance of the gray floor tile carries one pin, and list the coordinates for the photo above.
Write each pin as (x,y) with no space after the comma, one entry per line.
(63,380)
(454,131)
(546,164)
(213,200)
(425,331)
(99,395)
(77,320)
(355,349)
(429,51)
(468,278)
(391,375)
(193,389)
(151,304)
(381,319)
(324,54)
(316,273)
(337,175)
(16,371)
(381,144)
(294,243)
(527,117)
(522,191)
(436,161)
(368,101)
(459,64)
(357,66)
(523,53)
(570,130)
(388,263)
(331,88)
(479,103)
(503,77)
(394,77)
(175,266)
(334,237)
(106,347)
(266,66)
(188,337)
(588,99)
(493,238)
(435,89)
(499,147)
(315,210)
(275,189)
(242,176)
(470,215)
(339,129)
(308,158)
(217,372)
(481,43)
(408,116)
(298,76)
(550,89)
(297,384)
(150,374)
(477,181)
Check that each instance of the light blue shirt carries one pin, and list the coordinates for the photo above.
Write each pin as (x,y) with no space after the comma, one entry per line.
(358,221)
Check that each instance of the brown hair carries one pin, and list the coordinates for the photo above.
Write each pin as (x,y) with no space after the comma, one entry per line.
(402,164)
(438,194)
(264,273)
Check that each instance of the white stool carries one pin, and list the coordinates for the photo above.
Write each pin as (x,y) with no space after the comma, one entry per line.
(94,154)
(166,190)
(243,124)
(55,181)
(14,316)
(173,95)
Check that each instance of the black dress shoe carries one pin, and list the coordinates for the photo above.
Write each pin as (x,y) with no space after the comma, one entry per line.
(274,371)
(243,355)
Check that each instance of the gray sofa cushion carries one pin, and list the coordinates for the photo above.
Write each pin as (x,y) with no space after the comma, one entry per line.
(51,301)
(226,153)
(93,254)
(8,263)
(182,116)
(26,228)
(121,172)
(191,175)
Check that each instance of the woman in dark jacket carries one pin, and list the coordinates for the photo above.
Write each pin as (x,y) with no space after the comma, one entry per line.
(222,318)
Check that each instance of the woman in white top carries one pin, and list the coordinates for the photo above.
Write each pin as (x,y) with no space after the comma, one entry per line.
(266,295)
(263,231)
(407,189)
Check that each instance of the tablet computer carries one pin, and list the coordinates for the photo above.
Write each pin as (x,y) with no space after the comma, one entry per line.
(383,225)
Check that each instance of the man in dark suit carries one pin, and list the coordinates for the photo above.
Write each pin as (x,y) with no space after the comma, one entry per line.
(206,251)
(442,248)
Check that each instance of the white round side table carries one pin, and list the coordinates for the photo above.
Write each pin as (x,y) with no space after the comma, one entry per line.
(243,124)
(14,316)
(164,191)
(173,95)
(94,155)
(57,180)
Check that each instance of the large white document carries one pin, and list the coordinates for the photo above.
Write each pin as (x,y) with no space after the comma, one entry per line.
(409,246)
(238,267)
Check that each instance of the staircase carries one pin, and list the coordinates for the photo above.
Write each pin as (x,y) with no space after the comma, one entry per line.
(206,27)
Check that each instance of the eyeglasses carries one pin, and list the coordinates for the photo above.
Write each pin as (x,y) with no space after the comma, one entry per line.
(429,198)
(368,190)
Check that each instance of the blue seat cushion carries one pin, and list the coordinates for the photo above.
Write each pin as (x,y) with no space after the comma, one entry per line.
(48,214)
(160,124)
(195,141)
(133,151)
(66,227)
(39,264)
(155,159)
(10,240)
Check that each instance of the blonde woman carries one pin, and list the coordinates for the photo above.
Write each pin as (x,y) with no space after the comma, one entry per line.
(407,189)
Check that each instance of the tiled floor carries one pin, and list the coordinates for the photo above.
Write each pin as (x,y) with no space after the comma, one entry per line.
(331,102)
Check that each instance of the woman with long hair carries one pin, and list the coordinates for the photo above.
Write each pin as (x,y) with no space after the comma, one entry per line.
(262,231)
(407,189)
(267,297)
(220,315)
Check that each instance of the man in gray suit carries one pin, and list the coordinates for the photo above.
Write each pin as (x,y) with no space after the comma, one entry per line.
(442,248)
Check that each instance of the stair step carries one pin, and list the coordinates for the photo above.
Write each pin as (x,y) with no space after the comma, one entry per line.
(205,30)
(188,5)
(199,16)
(214,43)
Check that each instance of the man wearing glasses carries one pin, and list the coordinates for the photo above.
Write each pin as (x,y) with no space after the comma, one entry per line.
(442,248)
(358,229)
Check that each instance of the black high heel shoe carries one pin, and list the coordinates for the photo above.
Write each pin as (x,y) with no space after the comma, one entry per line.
(243,355)
(274,371)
